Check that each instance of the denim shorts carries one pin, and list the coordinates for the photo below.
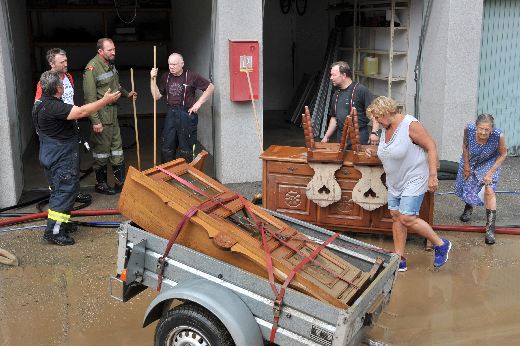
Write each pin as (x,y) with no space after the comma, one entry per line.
(407,205)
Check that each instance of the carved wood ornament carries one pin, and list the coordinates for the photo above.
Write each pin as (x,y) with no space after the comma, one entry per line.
(326,158)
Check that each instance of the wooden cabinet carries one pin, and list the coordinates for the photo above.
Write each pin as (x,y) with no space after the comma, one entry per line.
(286,175)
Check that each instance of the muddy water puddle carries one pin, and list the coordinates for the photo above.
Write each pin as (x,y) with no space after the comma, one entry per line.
(59,295)
(473,300)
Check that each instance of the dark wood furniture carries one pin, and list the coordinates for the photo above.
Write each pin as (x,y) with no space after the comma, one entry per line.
(285,176)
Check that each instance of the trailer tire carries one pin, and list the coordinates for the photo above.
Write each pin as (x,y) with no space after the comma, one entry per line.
(193,324)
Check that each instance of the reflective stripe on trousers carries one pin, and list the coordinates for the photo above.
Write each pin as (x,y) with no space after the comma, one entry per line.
(60,160)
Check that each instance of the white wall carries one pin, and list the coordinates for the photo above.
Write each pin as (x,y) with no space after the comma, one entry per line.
(280,30)
(15,98)
(236,146)
(450,72)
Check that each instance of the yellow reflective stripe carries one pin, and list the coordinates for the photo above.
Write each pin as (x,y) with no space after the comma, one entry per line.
(57,216)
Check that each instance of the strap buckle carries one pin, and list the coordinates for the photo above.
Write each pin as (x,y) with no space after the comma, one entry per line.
(277,308)
(161,264)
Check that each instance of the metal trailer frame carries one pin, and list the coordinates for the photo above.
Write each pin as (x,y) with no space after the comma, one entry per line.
(242,301)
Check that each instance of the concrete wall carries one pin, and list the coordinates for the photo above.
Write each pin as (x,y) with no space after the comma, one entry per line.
(310,38)
(15,99)
(414,33)
(450,72)
(22,67)
(236,147)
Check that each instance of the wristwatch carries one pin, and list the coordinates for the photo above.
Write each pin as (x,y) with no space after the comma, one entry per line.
(374,133)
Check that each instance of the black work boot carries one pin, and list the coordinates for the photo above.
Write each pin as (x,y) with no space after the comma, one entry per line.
(466,214)
(62,238)
(491,216)
(119,176)
(83,197)
(101,178)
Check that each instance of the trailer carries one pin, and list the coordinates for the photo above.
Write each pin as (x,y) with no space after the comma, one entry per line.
(204,301)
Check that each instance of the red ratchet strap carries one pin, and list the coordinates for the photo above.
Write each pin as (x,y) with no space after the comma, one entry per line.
(277,304)
(212,203)
(184,182)
(204,206)
(318,264)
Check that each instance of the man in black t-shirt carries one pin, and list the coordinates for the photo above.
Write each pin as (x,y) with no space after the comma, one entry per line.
(180,125)
(59,156)
(349,94)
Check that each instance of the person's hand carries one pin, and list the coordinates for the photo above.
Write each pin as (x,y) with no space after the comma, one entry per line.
(433,183)
(373,139)
(111,97)
(98,128)
(132,94)
(325,139)
(153,73)
(488,179)
(195,108)
(467,172)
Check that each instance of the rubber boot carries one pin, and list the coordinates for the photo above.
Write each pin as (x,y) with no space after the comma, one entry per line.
(119,176)
(466,214)
(490,226)
(62,238)
(102,186)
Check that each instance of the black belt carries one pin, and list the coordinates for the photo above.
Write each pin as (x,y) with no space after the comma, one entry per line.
(176,106)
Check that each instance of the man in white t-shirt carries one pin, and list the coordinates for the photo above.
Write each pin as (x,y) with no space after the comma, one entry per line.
(57,59)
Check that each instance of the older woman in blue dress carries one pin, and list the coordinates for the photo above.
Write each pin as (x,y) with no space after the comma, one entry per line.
(483,152)
(409,158)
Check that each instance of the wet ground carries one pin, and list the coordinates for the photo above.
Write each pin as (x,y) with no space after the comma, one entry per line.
(59,295)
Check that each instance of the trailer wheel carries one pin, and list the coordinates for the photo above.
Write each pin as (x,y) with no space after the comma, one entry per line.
(191,325)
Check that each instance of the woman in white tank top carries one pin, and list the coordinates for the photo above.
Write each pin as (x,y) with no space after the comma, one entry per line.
(409,158)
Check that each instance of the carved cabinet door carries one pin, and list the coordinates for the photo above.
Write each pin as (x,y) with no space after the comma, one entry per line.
(344,213)
(287,195)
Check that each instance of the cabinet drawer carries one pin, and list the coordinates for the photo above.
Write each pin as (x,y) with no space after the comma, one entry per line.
(289,168)
(347,173)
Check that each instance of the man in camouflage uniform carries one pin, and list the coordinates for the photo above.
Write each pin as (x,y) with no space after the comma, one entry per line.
(100,74)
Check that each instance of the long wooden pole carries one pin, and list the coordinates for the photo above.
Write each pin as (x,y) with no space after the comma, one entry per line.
(135,122)
(154,109)
(258,132)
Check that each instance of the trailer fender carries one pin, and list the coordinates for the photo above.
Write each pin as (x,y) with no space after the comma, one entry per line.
(217,299)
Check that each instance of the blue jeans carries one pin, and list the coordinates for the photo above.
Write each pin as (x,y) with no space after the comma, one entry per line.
(407,205)
(60,160)
(179,132)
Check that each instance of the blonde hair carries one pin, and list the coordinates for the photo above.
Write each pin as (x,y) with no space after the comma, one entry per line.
(380,106)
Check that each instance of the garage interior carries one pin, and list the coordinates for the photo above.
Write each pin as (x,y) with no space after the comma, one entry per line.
(300,39)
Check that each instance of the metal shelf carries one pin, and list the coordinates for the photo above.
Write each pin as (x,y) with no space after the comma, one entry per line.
(401,28)
(79,8)
(381,77)
(380,52)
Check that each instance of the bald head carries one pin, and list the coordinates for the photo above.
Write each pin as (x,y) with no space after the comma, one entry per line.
(175,64)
